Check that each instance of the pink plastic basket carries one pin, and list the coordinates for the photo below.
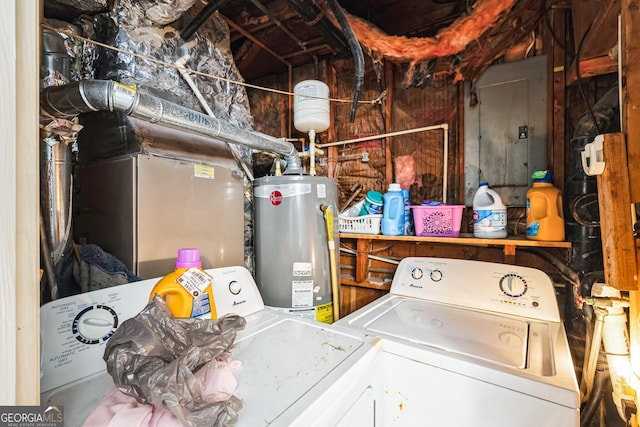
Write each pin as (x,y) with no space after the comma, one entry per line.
(437,221)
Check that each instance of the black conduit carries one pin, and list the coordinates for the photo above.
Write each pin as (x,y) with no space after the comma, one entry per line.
(588,280)
(570,275)
(606,113)
(582,216)
(579,79)
(566,271)
(597,392)
(204,14)
(310,14)
(356,51)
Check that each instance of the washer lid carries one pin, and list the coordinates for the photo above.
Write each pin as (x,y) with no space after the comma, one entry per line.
(288,364)
(458,330)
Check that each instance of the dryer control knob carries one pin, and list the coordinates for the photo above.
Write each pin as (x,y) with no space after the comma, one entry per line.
(234,287)
(417,273)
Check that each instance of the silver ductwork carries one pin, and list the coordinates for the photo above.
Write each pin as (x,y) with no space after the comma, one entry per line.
(55,168)
(105,95)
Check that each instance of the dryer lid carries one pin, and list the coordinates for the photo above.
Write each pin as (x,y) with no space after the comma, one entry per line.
(458,330)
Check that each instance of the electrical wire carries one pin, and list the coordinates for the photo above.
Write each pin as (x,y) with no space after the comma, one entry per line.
(553,34)
(579,79)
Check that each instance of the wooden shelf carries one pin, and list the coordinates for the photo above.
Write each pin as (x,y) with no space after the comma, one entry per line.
(509,244)
(464,239)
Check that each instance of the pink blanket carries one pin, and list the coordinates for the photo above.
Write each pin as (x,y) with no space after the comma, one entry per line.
(120,410)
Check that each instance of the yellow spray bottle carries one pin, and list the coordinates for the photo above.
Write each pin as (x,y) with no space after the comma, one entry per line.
(187,290)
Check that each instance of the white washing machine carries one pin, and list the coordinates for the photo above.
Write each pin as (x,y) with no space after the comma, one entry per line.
(291,368)
(468,343)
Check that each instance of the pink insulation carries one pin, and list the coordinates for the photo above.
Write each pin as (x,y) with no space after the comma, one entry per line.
(405,171)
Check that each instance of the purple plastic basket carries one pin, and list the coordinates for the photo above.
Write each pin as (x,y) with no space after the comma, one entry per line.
(438,221)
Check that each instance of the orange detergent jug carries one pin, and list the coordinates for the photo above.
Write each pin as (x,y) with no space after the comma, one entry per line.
(187,290)
(545,220)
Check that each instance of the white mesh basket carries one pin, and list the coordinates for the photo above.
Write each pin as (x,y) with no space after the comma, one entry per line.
(364,224)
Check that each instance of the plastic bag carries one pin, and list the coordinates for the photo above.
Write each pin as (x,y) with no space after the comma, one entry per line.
(153,357)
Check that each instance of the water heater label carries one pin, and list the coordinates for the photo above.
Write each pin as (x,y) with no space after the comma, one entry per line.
(324,313)
(302,293)
(322,191)
(302,269)
(285,190)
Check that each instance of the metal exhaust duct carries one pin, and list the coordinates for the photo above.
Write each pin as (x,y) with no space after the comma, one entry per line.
(55,172)
(105,95)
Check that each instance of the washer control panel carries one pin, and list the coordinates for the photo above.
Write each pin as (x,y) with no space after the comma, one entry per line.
(502,288)
(74,330)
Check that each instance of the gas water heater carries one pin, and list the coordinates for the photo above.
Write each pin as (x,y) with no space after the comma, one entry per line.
(294,263)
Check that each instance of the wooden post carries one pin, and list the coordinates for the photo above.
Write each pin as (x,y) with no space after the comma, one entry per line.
(618,244)
(556,87)
(459,144)
(630,60)
(362,260)
(630,108)
(332,152)
(509,252)
(388,173)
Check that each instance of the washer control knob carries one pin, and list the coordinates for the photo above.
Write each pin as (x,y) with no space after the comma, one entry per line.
(234,287)
(436,275)
(513,285)
(417,273)
(95,324)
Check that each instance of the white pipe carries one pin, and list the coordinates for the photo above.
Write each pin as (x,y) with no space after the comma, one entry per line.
(445,162)
(312,152)
(445,147)
(317,151)
(615,341)
(180,64)
(278,167)
(377,258)
(591,355)
(385,135)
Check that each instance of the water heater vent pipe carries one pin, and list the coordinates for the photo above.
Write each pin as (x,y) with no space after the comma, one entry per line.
(105,95)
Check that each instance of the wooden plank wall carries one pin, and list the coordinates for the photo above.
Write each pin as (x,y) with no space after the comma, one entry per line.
(631,91)
(19,250)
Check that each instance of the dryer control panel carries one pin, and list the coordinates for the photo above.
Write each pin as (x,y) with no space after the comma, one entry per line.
(501,288)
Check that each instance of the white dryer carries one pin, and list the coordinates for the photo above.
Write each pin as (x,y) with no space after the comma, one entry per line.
(468,343)
(291,368)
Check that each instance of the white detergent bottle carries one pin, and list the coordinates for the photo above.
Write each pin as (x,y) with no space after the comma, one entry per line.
(489,214)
